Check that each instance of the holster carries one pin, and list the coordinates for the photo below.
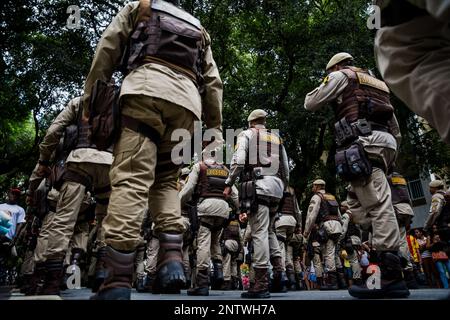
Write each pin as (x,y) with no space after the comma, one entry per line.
(104,115)
(346,133)
(247,197)
(352,162)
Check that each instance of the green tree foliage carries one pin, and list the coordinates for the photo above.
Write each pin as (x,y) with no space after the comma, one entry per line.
(270,54)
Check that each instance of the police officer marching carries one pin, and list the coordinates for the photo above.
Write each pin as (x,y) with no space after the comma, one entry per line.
(261,162)
(170,81)
(367,137)
(324,220)
(207,181)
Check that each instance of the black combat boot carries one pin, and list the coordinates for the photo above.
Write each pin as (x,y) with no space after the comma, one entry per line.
(53,277)
(170,276)
(330,282)
(279,276)
(226,285)
(290,274)
(217,274)
(260,288)
(25,284)
(341,279)
(201,284)
(100,272)
(119,268)
(140,283)
(392,283)
(37,280)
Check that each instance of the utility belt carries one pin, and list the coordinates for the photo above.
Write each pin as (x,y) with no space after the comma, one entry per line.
(330,218)
(400,11)
(352,161)
(73,176)
(188,73)
(346,132)
(211,227)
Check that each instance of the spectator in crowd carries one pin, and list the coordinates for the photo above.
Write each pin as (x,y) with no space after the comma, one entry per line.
(439,254)
(16,212)
(429,267)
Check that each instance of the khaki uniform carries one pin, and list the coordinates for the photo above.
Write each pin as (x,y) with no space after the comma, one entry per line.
(356,242)
(79,239)
(405,212)
(229,260)
(152,256)
(368,198)
(212,213)
(86,162)
(437,203)
(285,225)
(414,60)
(165,100)
(332,227)
(261,222)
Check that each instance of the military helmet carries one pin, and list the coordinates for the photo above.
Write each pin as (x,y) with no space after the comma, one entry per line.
(319,182)
(436,184)
(256,114)
(338,58)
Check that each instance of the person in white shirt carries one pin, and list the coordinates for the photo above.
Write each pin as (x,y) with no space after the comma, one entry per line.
(16,212)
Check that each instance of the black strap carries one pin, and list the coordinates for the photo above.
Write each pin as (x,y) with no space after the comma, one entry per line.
(142,128)
(73,176)
(102,201)
(101,190)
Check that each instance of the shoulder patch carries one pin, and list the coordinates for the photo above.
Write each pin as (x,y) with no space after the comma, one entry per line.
(326,80)
(367,80)
(398,181)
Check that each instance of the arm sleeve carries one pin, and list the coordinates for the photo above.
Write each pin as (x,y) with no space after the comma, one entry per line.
(330,89)
(311,216)
(285,163)
(110,49)
(435,209)
(238,161)
(56,130)
(213,89)
(235,196)
(192,180)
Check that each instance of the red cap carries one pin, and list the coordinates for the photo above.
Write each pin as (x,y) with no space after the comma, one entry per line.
(16,191)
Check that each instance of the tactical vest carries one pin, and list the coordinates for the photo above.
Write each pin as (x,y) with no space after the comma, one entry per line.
(287,205)
(264,150)
(212,180)
(329,208)
(77,135)
(232,231)
(399,189)
(444,218)
(171,37)
(365,97)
